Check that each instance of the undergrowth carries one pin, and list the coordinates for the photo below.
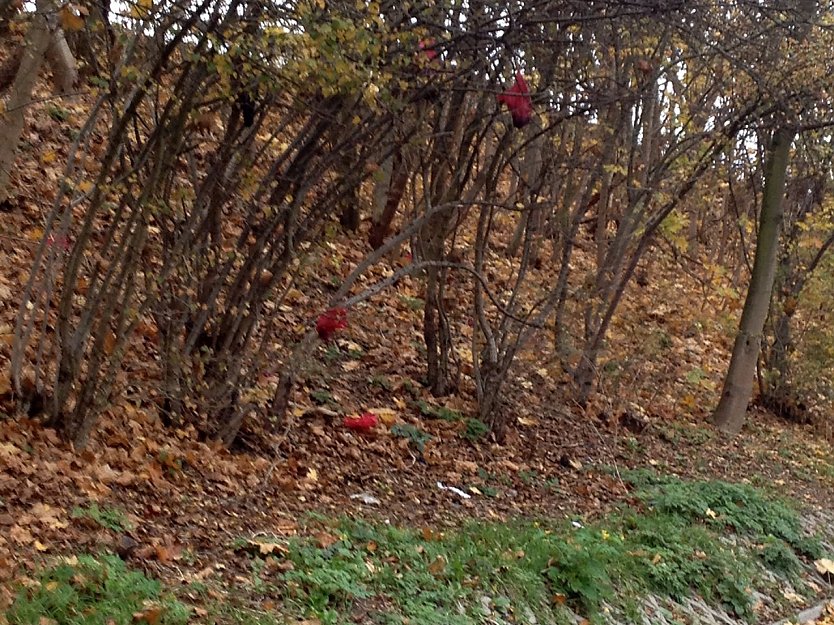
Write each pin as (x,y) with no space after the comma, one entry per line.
(108,518)
(676,539)
(87,590)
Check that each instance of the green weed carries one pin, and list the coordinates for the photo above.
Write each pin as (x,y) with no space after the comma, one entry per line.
(674,543)
(416,437)
(475,430)
(93,591)
(438,412)
(108,518)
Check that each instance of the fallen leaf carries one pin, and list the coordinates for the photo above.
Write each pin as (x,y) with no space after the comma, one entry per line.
(437,567)
(151,615)
(265,547)
(325,540)
(21,535)
(387,416)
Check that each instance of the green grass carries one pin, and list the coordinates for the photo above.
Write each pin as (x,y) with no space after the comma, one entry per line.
(108,518)
(475,430)
(744,509)
(93,591)
(676,539)
(673,542)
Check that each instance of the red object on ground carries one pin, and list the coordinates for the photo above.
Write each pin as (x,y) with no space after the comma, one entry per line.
(330,321)
(518,101)
(61,241)
(363,423)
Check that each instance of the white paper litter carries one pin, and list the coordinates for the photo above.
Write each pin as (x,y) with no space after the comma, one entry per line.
(367,499)
(456,491)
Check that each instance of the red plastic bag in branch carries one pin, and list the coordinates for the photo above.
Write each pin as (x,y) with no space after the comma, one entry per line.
(518,101)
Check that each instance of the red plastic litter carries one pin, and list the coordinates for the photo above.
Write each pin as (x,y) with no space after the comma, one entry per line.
(331,321)
(363,423)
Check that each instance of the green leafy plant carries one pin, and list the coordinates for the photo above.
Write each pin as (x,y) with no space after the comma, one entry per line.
(91,590)
(438,412)
(416,437)
(414,303)
(777,555)
(322,397)
(108,518)
(475,430)
(580,570)
(58,113)
(666,546)
(747,510)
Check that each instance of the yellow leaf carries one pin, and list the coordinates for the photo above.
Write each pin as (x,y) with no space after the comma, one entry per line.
(386,415)
(70,22)
(141,9)
(48,157)
(824,566)
(40,546)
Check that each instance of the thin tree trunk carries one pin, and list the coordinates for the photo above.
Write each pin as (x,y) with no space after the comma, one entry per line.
(35,46)
(738,385)
(62,63)
(397,181)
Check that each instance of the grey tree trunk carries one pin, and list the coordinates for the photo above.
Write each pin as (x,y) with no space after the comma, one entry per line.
(738,384)
(35,45)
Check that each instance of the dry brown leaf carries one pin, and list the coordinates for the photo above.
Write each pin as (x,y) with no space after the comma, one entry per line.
(438,566)
(151,615)
(265,547)
(5,383)
(21,535)
(325,540)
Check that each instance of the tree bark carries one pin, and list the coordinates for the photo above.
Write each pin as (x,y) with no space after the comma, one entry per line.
(35,45)
(395,180)
(738,385)
(62,63)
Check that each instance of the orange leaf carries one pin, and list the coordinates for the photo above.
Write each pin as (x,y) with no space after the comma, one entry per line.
(70,22)
(325,540)
(150,616)
(437,567)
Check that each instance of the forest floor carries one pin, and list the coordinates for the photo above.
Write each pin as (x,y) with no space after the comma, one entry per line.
(190,513)
(184,512)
